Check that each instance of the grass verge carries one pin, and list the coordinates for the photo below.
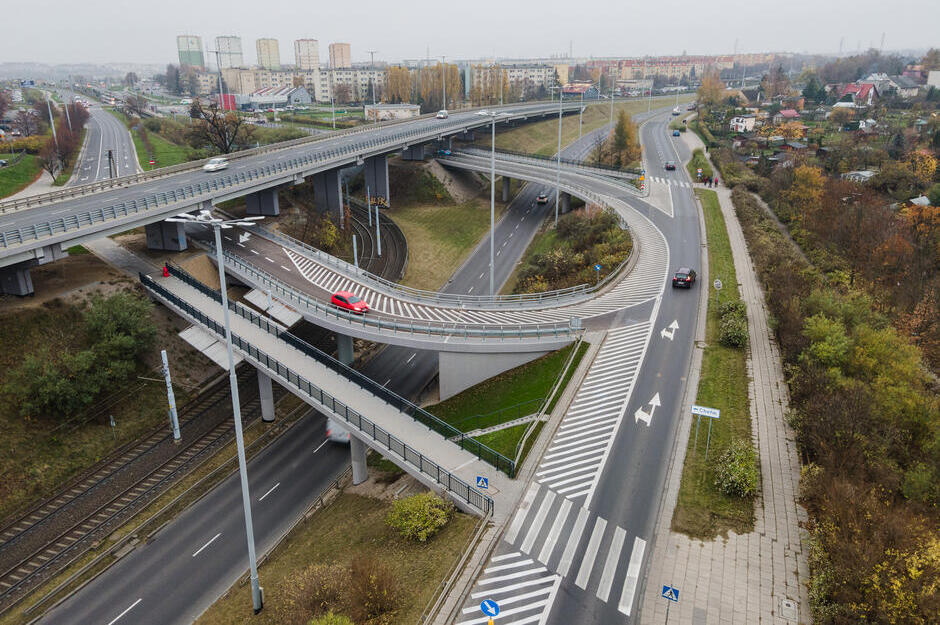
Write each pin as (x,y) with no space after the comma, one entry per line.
(702,511)
(697,161)
(352,527)
(14,178)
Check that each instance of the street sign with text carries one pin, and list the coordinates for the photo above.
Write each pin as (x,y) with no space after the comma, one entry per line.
(712,413)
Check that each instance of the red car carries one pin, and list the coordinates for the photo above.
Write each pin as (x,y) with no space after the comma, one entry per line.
(349,301)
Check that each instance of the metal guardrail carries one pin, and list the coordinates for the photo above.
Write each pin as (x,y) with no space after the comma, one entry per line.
(630,172)
(292,166)
(444,329)
(163,172)
(426,466)
(417,413)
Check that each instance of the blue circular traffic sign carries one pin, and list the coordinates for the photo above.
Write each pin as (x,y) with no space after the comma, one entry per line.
(489,607)
(597,267)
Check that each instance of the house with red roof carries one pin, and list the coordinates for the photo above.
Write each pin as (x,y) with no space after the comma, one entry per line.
(786,115)
(860,94)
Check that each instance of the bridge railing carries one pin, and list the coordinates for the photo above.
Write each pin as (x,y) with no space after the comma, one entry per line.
(466,331)
(481,451)
(627,172)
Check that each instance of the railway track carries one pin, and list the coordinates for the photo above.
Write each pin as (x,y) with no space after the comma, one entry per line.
(60,529)
(391,265)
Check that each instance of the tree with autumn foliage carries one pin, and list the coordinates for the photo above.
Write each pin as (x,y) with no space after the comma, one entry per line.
(711,91)
(805,193)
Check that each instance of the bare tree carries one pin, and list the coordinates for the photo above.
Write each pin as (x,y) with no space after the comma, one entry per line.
(4,104)
(224,130)
(130,79)
(135,105)
(26,123)
(49,158)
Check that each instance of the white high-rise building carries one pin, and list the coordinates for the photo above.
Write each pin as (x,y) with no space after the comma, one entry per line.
(340,55)
(307,54)
(190,51)
(230,51)
(269,54)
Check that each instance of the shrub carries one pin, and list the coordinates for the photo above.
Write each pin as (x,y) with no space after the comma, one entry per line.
(421,516)
(373,591)
(732,325)
(325,588)
(332,619)
(737,473)
(152,124)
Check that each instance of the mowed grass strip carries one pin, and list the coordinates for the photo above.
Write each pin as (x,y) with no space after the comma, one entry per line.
(351,527)
(440,237)
(14,178)
(702,511)
(542,137)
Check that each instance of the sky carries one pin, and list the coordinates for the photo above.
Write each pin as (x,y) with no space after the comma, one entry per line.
(103,31)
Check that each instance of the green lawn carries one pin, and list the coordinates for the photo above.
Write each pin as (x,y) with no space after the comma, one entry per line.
(493,401)
(352,527)
(15,178)
(165,153)
(702,511)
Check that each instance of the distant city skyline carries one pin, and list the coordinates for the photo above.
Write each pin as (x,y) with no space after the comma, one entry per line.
(511,30)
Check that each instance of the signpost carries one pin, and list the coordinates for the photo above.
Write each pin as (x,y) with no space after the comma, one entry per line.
(717,284)
(597,273)
(671,594)
(490,608)
(711,413)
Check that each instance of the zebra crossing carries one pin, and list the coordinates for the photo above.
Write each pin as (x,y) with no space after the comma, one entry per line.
(642,283)
(550,539)
(575,457)
(669,181)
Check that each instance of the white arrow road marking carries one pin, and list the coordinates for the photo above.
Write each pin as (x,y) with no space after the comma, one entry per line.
(244,237)
(639,414)
(670,331)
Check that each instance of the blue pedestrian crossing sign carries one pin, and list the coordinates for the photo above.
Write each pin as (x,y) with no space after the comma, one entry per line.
(489,607)
(671,593)
(483,482)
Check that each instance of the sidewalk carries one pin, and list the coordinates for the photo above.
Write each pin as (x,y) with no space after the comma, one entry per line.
(755,577)
(42,184)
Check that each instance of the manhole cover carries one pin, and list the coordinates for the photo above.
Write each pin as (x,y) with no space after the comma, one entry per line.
(788,609)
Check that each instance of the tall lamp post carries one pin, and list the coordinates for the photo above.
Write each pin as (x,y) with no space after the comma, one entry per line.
(443,84)
(492,115)
(561,97)
(205,217)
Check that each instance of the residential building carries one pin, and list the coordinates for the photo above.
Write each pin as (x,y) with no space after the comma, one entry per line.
(933,79)
(229,51)
(353,81)
(269,54)
(524,77)
(859,94)
(786,115)
(743,123)
(307,54)
(862,175)
(190,51)
(340,55)
(904,86)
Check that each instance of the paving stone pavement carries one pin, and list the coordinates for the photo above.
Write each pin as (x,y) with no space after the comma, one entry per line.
(750,578)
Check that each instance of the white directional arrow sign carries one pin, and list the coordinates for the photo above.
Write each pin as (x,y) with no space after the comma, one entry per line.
(670,331)
(647,417)
(244,236)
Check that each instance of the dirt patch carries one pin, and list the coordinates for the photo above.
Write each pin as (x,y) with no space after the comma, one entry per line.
(462,185)
(378,486)
(203,269)
(74,277)
(135,242)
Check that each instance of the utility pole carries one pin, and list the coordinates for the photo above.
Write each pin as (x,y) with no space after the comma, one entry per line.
(558,156)
(52,122)
(443,84)
(372,82)
(170,398)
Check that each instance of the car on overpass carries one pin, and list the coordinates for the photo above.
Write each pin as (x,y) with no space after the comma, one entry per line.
(216,164)
(349,301)
(541,199)
(442,114)
(684,278)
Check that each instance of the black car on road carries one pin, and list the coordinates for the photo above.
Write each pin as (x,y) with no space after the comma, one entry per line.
(685,277)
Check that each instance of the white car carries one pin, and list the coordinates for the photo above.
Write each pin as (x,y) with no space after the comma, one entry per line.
(442,114)
(336,433)
(215,164)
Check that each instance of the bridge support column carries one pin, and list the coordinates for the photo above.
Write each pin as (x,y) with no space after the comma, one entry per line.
(266,393)
(466,135)
(565,203)
(344,348)
(328,192)
(357,452)
(166,236)
(413,153)
(15,279)
(459,371)
(376,168)
(263,203)
(506,181)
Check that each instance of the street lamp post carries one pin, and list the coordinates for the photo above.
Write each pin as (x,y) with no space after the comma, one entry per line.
(561,97)
(443,84)
(205,217)
(492,115)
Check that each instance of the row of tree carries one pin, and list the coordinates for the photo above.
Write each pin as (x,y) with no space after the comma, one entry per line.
(60,150)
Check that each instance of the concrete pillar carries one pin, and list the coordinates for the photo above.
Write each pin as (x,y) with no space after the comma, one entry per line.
(506,181)
(263,203)
(376,169)
(357,453)
(459,371)
(328,192)
(344,348)
(466,135)
(413,153)
(15,280)
(266,393)
(163,235)
(565,203)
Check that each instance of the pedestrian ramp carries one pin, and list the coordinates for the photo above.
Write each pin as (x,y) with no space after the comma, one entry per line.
(426,447)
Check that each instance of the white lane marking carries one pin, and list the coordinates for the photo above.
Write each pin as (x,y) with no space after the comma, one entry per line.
(633,575)
(517,575)
(254,251)
(551,601)
(126,610)
(587,563)
(521,513)
(531,606)
(573,539)
(211,540)
(482,274)
(470,291)
(511,587)
(506,567)
(284,268)
(554,532)
(514,599)
(270,490)
(505,556)
(536,526)
(387,381)
(610,567)
(268,259)
(410,358)
(321,445)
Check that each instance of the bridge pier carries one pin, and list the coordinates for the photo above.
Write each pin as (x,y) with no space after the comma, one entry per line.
(344,349)
(376,169)
(164,235)
(266,393)
(328,192)
(413,153)
(466,135)
(357,453)
(506,181)
(565,203)
(263,203)
(15,279)
(459,371)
